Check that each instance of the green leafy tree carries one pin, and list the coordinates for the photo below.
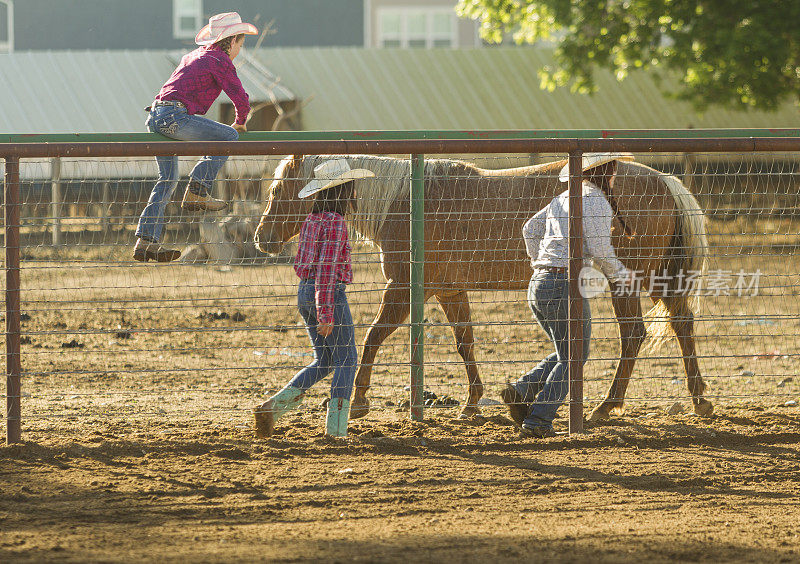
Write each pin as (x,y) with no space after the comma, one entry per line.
(734,53)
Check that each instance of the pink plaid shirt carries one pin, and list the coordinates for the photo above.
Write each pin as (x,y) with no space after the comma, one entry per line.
(324,254)
(199,79)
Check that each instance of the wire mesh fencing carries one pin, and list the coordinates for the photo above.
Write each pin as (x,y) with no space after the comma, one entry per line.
(210,335)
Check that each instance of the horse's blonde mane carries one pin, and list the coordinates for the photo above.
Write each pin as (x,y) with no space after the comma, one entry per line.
(375,196)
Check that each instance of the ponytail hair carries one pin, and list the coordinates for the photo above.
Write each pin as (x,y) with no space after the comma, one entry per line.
(336,199)
(601,175)
(225,44)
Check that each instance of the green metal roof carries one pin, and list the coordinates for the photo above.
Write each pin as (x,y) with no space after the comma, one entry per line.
(489,88)
(352,89)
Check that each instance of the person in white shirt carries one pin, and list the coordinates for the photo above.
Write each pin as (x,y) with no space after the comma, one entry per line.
(534,399)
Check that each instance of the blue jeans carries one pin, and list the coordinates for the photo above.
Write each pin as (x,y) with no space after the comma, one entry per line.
(175,123)
(546,385)
(336,352)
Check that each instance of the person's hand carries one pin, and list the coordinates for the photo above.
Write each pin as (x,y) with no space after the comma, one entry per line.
(325,329)
(240,127)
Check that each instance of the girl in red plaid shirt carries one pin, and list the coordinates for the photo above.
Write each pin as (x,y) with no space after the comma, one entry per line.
(323,266)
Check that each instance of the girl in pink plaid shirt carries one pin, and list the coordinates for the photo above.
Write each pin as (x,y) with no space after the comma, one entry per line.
(323,266)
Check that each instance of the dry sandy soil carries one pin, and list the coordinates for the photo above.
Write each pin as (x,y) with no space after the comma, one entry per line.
(645,487)
(138,442)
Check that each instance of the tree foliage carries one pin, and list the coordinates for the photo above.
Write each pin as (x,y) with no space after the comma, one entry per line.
(734,53)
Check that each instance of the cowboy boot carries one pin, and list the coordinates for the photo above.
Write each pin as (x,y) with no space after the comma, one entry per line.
(196,198)
(268,412)
(150,250)
(336,420)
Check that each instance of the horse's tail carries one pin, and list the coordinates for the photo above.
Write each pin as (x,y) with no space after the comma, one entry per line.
(683,266)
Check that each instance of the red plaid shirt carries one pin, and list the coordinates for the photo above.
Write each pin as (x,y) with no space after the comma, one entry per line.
(324,254)
(199,79)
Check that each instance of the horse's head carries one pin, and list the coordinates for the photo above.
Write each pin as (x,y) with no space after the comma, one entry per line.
(285,212)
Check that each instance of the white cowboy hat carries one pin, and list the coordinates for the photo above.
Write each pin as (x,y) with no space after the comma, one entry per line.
(591,160)
(332,173)
(222,26)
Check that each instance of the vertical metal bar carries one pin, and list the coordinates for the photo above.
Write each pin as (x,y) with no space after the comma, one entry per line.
(575,299)
(55,199)
(417,296)
(688,170)
(10,28)
(13,361)
(223,186)
(105,208)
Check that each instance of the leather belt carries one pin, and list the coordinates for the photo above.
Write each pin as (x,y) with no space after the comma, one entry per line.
(157,103)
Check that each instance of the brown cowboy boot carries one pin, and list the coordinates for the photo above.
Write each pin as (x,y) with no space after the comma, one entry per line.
(196,198)
(267,413)
(148,250)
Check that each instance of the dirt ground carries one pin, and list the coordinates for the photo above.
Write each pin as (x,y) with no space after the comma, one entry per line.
(138,445)
(645,487)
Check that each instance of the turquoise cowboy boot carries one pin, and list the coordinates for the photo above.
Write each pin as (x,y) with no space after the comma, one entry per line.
(268,412)
(338,414)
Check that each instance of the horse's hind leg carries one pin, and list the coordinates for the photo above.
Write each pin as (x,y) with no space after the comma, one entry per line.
(682,322)
(456,308)
(392,312)
(632,333)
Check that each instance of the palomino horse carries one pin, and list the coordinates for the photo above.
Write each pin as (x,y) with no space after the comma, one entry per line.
(473,240)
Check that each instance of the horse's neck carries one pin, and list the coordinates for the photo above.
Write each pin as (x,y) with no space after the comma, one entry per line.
(374,196)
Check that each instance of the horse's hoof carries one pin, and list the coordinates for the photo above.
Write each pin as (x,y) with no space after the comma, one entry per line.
(605,410)
(359,408)
(704,408)
(469,412)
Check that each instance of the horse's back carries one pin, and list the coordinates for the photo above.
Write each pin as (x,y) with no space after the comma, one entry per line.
(474,219)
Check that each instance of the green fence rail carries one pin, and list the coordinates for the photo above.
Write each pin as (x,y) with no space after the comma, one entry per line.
(418,135)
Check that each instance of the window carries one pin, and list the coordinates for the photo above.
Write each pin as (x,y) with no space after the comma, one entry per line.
(416,28)
(6,26)
(187,18)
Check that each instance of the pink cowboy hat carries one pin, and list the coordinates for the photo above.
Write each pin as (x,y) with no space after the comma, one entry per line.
(222,26)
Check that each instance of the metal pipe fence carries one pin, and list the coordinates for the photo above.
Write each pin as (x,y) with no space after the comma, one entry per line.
(90,333)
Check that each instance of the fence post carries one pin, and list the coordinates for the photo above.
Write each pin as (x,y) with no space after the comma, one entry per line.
(105,208)
(223,187)
(688,170)
(575,238)
(417,296)
(13,361)
(55,199)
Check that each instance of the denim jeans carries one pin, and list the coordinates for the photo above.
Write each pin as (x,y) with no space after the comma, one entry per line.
(546,385)
(174,122)
(336,352)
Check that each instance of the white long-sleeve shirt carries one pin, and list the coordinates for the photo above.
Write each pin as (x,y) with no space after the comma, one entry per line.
(546,234)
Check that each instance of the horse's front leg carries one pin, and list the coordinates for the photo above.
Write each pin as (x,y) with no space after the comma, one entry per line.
(456,309)
(632,333)
(392,312)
